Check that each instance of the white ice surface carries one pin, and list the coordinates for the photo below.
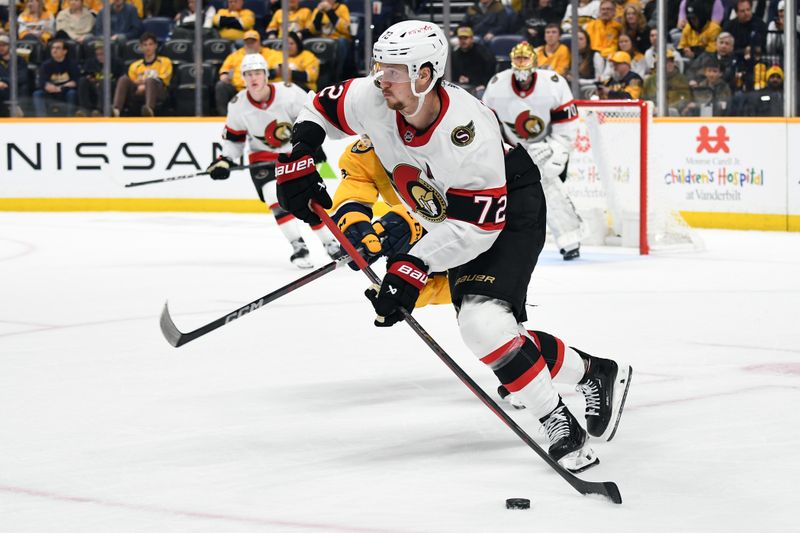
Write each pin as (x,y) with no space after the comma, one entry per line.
(304,417)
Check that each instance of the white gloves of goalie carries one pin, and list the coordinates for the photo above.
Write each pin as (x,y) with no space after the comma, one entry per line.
(550,156)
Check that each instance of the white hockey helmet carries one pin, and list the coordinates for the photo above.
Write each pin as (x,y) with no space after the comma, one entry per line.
(254,62)
(413,43)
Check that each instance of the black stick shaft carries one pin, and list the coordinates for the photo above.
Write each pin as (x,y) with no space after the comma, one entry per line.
(607,489)
(187,176)
(177,338)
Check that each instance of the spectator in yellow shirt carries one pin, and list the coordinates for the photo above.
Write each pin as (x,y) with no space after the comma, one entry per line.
(299,20)
(331,20)
(147,79)
(604,31)
(303,65)
(700,34)
(35,23)
(230,77)
(234,21)
(553,55)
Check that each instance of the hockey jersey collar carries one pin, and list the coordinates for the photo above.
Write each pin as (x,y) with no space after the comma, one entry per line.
(263,105)
(519,91)
(410,135)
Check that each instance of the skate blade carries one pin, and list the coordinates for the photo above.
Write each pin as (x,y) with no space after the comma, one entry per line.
(302,263)
(623,380)
(579,460)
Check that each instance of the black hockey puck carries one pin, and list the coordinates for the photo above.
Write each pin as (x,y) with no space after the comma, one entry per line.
(518,503)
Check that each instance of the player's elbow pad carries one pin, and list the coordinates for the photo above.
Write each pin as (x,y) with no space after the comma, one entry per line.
(308,133)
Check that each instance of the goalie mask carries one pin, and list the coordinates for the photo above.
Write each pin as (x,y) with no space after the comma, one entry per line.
(523,61)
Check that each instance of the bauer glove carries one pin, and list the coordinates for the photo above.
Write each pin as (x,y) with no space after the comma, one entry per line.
(220,169)
(298,182)
(405,276)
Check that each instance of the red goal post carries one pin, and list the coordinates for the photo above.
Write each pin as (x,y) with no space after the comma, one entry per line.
(611,183)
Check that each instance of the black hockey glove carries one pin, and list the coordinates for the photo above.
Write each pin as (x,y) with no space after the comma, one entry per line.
(405,277)
(353,220)
(397,231)
(298,182)
(220,169)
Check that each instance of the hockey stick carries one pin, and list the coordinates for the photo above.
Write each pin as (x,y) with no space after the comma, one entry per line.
(177,338)
(607,489)
(204,173)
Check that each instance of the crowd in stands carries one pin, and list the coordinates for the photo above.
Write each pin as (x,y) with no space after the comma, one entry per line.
(724,57)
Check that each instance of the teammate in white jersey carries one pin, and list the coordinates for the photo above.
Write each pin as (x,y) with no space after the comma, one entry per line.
(536,108)
(263,114)
(483,212)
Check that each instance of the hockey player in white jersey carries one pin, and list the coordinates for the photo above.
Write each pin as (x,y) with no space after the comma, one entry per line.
(536,108)
(482,210)
(263,113)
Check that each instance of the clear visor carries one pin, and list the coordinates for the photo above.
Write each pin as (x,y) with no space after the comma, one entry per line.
(390,73)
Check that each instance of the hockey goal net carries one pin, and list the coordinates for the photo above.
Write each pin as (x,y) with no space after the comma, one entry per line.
(611,184)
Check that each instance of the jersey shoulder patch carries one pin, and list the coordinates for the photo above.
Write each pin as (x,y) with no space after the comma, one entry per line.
(494,79)
(463,135)
(554,78)
(234,99)
(362,146)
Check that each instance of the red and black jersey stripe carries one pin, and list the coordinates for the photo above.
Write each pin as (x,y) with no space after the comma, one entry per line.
(564,113)
(237,136)
(330,103)
(485,208)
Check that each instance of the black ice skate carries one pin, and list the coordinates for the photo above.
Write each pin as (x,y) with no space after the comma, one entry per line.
(299,257)
(568,440)
(605,388)
(569,255)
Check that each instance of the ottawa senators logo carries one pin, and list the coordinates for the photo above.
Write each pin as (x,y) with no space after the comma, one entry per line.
(527,126)
(276,134)
(463,135)
(421,196)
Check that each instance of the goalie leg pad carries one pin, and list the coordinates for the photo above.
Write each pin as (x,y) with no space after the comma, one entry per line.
(562,217)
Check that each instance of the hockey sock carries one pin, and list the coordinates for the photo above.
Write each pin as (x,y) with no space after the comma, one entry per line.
(323,233)
(520,367)
(286,223)
(565,363)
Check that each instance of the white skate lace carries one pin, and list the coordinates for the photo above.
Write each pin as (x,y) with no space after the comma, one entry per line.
(592,394)
(556,425)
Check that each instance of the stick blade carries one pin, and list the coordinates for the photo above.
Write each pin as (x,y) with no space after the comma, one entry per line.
(608,489)
(169,329)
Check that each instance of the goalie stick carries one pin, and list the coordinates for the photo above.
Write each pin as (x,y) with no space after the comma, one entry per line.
(197,174)
(608,489)
(177,338)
